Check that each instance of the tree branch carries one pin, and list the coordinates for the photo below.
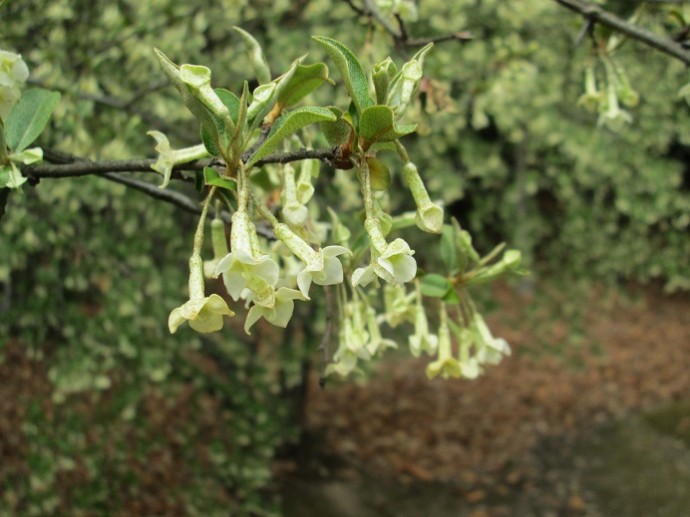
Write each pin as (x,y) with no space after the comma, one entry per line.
(178,199)
(167,195)
(402,38)
(599,15)
(82,167)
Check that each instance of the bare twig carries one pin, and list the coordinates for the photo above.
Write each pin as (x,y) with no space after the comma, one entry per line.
(178,199)
(81,167)
(355,8)
(599,15)
(402,37)
(301,154)
(71,166)
(167,195)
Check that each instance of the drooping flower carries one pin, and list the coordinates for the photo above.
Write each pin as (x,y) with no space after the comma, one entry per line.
(422,340)
(398,305)
(322,267)
(204,313)
(220,247)
(244,267)
(429,216)
(394,264)
(353,339)
(168,158)
(446,365)
(294,212)
(278,315)
(490,350)
(376,343)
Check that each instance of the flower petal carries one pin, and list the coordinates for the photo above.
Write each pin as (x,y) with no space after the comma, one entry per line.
(304,282)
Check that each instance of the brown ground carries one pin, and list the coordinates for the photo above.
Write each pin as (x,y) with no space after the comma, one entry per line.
(494,441)
(488,437)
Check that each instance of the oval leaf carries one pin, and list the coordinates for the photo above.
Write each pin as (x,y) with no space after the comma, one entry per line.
(29,117)
(379,173)
(377,124)
(306,79)
(351,70)
(211,177)
(288,125)
(435,286)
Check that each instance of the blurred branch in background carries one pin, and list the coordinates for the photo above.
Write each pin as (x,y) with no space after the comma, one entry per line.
(596,14)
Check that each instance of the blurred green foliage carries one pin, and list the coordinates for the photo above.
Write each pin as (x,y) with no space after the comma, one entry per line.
(91,270)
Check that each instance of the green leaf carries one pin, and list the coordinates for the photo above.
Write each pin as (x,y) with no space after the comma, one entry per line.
(289,124)
(29,117)
(338,132)
(238,136)
(305,79)
(463,244)
(449,253)
(209,142)
(350,69)
(381,75)
(212,177)
(256,56)
(379,173)
(435,286)
(377,124)
(452,297)
(231,101)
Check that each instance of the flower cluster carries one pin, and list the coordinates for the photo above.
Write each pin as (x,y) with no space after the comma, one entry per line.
(269,273)
(607,102)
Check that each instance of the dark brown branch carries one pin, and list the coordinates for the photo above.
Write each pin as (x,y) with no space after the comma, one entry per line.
(87,167)
(402,37)
(301,154)
(355,8)
(176,198)
(81,167)
(599,15)
(167,195)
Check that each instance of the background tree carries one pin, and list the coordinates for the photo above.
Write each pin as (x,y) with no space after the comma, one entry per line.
(508,149)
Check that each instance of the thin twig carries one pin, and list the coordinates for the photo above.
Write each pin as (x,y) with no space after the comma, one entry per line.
(355,8)
(176,198)
(169,196)
(599,15)
(82,167)
(326,155)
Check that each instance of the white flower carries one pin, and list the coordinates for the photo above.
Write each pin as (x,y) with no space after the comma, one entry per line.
(204,314)
(398,305)
(422,340)
(244,268)
(394,265)
(376,342)
(353,339)
(281,312)
(13,74)
(429,216)
(490,350)
(168,158)
(322,267)
(446,365)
